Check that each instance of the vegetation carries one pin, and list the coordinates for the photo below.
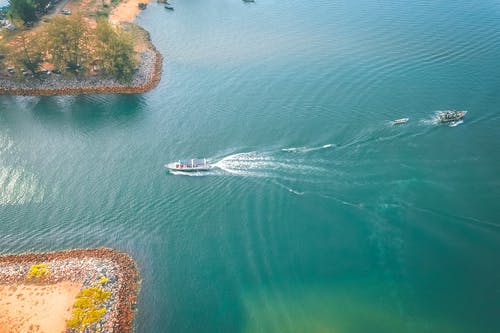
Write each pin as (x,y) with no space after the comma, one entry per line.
(70,44)
(23,9)
(115,50)
(41,4)
(29,54)
(38,272)
(3,54)
(88,309)
(103,280)
(68,41)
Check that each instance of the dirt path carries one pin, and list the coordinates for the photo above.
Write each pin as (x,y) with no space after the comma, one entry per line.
(57,9)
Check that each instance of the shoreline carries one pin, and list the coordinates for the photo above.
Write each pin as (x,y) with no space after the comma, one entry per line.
(66,266)
(126,11)
(147,76)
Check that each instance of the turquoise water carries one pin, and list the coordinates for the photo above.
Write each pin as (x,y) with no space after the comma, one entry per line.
(320,215)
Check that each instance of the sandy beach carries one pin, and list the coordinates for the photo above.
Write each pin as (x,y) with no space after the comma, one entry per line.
(36,308)
(126,11)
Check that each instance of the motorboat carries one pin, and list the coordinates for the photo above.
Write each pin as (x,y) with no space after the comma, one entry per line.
(189,165)
(400,121)
(451,115)
(169,7)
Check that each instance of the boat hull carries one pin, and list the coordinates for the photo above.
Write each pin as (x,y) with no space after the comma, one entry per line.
(188,166)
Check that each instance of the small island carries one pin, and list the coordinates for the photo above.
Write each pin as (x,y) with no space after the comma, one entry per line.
(60,47)
(68,291)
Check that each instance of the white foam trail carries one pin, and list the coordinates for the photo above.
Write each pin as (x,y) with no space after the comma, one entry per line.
(292,149)
(430,122)
(344,202)
(257,164)
(306,149)
(247,164)
(456,123)
(295,191)
(289,189)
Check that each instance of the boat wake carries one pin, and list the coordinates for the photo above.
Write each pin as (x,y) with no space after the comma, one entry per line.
(456,123)
(307,149)
(247,164)
(289,189)
(269,164)
(272,164)
(290,169)
(433,121)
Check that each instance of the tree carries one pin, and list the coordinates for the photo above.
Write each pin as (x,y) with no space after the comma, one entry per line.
(3,53)
(41,4)
(29,54)
(67,40)
(23,9)
(115,49)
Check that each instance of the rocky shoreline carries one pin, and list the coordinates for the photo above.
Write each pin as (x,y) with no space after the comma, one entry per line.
(147,77)
(86,266)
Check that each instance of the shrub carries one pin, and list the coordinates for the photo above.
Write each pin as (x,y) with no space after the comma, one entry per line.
(38,272)
(88,308)
(103,280)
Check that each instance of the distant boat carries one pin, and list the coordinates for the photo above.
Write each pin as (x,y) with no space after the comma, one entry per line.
(169,7)
(248,0)
(189,165)
(451,115)
(400,121)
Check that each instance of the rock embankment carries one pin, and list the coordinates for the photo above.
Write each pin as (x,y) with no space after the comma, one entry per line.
(86,267)
(147,77)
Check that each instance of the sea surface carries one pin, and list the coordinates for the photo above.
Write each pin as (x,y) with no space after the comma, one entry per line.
(319,215)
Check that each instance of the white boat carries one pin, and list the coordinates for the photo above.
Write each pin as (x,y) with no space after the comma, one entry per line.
(400,121)
(189,165)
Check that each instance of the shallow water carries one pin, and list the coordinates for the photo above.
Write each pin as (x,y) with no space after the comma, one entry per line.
(319,215)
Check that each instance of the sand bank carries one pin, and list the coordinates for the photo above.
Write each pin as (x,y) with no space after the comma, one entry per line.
(36,308)
(126,11)
(45,305)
